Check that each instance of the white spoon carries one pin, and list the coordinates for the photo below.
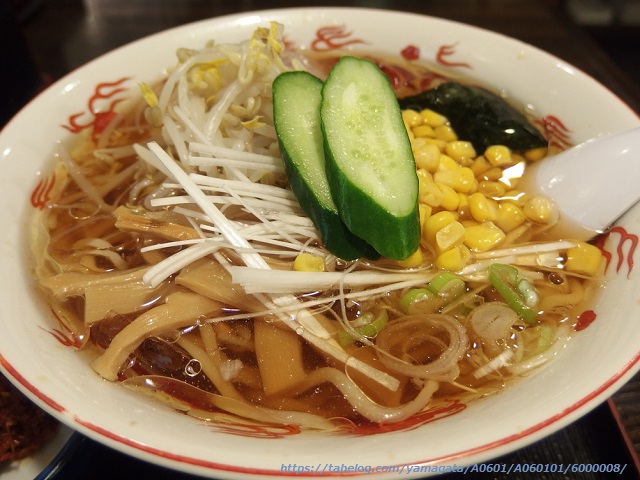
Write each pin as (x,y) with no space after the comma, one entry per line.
(592,184)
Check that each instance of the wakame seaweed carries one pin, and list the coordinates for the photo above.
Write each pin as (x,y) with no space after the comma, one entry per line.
(478,116)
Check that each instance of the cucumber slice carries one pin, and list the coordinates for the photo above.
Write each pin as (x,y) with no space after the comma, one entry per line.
(370,164)
(296,108)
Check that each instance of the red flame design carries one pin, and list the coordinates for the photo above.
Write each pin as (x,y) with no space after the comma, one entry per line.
(446,51)
(333,37)
(100,108)
(40,194)
(624,239)
(64,335)
(555,131)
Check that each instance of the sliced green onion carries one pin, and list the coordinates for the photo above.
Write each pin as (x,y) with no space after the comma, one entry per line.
(447,285)
(507,282)
(369,330)
(528,292)
(545,339)
(412,296)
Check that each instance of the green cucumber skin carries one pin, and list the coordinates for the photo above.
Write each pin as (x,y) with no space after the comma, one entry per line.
(335,235)
(394,235)
(369,220)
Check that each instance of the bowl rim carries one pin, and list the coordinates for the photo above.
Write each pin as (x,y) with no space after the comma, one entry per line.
(482,452)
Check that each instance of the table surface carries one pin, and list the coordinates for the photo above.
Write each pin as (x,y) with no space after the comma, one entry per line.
(64,34)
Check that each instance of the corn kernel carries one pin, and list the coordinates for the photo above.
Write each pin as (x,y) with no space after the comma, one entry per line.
(454,259)
(463,205)
(446,133)
(539,209)
(433,119)
(483,237)
(535,154)
(414,260)
(428,192)
(584,259)
(498,156)
(423,131)
(447,163)
(492,189)
(460,151)
(450,200)
(306,262)
(492,174)
(449,236)
(461,179)
(427,156)
(411,118)
(424,212)
(441,144)
(510,216)
(435,222)
(482,208)
(480,165)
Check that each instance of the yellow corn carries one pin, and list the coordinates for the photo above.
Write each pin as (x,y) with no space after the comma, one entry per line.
(447,163)
(535,154)
(584,259)
(483,237)
(482,208)
(510,216)
(446,133)
(453,259)
(539,209)
(425,212)
(461,179)
(492,174)
(441,144)
(498,156)
(433,119)
(427,155)
(306,262)
(450,199)
(435,222)
(492,189)
(480,165)
(463,205)
(461,151)
(449,236)
(411,118)
(413,261)
(428,192)
(423,131)
(475,204)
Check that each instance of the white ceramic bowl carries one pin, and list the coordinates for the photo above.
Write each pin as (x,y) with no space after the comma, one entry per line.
(598,360)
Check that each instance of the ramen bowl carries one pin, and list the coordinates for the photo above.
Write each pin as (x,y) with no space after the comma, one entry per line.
(40,357)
